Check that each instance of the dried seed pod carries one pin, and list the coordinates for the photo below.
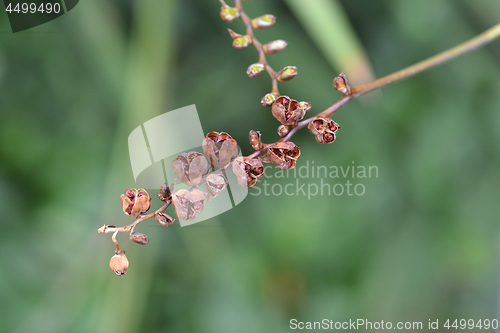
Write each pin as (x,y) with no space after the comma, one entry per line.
(139,238)
(283,154)
(275,46)
(247,170)
(135,202)
(164,219)
(119,263)
(220,148)
(287,111)
(269,99)
(286,74)
(190,167)
(324,129)
(340,83)
(228,14)
(263,22)
(188,204)
(165,193)
(283,130)
(255,141)
(215,184)
(256,69)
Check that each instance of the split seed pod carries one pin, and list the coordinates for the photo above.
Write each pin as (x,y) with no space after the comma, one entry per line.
(188,204)
(215,184)
(220,148)
(190,167)
(135,202)
(247,170)
(324,129)
(284,155)
(287,111)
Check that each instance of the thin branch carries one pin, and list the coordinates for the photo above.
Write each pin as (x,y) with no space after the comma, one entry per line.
(262,56)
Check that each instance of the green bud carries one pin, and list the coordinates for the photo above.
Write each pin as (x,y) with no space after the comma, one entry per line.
(286,73)
(268,99)
(256,69)
(241,42)
(228,14)
(263,22)
(275,46)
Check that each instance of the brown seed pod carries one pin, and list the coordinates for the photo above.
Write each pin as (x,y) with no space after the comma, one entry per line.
(340,83)
(119,263)
(287,111)
(139,238)
(135,202)
(190,167)
(164,220)
(165,193)
(284,154)
(188,204)
(220,148)
(215,184)
(283,130)
(254,138)
(247,170)
(324,129)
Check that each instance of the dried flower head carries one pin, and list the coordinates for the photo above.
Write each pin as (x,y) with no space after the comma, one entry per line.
(188,204)
(220,148)
(135,202)
(283,154)
(247,170)
(324,129)
(215,184)
(190,167)
(119,263)
(287,111)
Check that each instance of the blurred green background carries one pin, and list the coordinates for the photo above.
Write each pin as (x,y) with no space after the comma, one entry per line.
(421,243)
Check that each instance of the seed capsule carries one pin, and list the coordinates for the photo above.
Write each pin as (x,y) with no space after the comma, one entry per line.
(135,202)
(215,184)
(188,204)
(247,170)
(254,138)
(163,219)
(283,130)
(324,129)
(287,111)
(340,83)
(284,154)
(139,238)
(119,263)
(190,167)
(220,148)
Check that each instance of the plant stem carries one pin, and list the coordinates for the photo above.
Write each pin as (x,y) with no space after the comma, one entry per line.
(441,58)
(471,45)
